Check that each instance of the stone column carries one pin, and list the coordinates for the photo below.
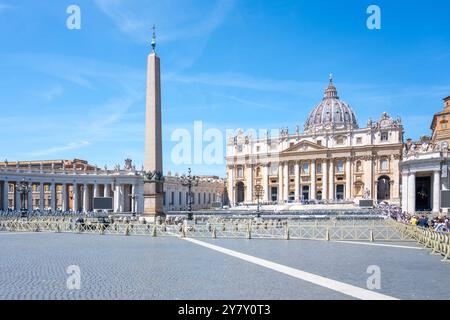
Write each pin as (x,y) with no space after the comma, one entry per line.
(405,192)
(280,182)
(324,180)
(53,196)
(297,181)
(436,191)
(331,181)
(412,192)
(249,176)
(312,193)
(265,173)
(96,190)
(369,184)
(64,197)
(231,183)
(117,197)
(286,181)
(75,197)
(348,181)
(133,198)
(17,197)
(41,196)
(96,194)
(85,198)
(30,198)
(5,195)
(107,190)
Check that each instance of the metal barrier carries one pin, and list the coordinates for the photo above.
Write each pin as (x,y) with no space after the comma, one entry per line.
(438,242)
(249,230)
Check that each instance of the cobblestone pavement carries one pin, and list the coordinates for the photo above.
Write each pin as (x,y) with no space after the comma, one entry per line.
(33,266)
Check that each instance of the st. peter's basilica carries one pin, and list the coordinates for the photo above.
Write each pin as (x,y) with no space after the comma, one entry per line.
(333,160)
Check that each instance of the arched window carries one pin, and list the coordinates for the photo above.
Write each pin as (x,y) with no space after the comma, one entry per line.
(274,169)
(305,167)
(319,168)
(340,140)
(291,169)
(384,164)
(240,172)
(384,136)
(340,166)
(258,171)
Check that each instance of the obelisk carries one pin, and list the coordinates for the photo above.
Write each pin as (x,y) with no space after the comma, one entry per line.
(153,165)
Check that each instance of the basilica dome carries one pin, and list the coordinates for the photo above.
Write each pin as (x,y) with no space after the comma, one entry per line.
(331,113)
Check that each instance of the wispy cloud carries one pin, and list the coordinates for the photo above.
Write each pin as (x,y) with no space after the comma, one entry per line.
(53,150)
(52,93)
(243,81)
(88,118)
(175,19)
(5,7)
(193,21)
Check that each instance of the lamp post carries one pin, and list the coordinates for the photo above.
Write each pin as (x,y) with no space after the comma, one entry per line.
(189,181)
(258,193)
(23,188)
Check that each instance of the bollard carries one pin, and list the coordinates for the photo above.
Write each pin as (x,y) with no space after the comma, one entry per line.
(286,233)
(127,230)
(327,234)
(154,232)
(214,235)
(434,244)
(58,230)
(371,236)
(446,249)
(249,231)
(183,232)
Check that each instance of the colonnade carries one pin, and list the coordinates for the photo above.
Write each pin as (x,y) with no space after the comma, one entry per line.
(320,178)
(74,196)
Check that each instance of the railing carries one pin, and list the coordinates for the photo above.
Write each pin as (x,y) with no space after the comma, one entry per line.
(248,230)
(438,242)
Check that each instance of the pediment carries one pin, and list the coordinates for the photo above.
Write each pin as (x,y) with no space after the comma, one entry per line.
(305,146)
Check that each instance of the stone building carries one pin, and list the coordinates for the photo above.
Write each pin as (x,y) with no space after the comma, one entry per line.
(71,185)
(332,160)
(425,166)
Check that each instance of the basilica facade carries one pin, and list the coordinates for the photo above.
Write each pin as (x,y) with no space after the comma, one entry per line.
(332,160)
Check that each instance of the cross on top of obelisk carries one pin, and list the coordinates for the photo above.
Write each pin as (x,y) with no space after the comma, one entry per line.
(154,39)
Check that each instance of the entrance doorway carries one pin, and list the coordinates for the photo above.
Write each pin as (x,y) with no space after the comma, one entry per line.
(384,188)
(340,192)
(319,195)
(240,192)
(274,194)
(423,187)
(305,193)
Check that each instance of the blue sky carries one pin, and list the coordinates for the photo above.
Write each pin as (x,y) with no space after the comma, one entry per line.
(230,64)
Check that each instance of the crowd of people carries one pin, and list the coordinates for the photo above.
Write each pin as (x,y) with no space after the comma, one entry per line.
(10,213)
(441,224)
